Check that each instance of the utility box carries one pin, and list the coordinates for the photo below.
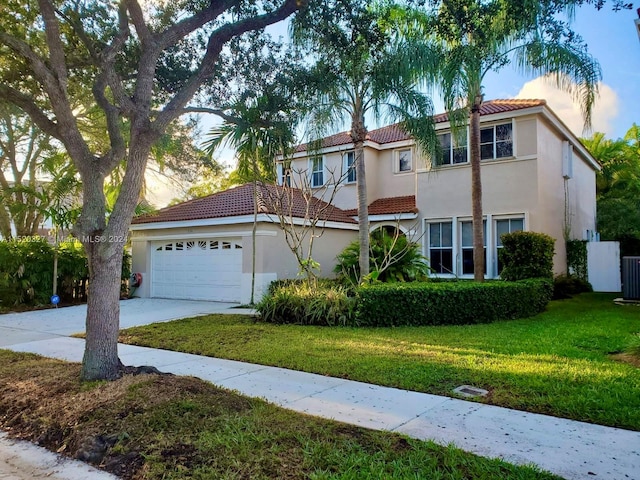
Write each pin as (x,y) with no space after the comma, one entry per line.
(631,278)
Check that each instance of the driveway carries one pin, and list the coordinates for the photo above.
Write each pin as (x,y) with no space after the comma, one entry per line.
(61,322)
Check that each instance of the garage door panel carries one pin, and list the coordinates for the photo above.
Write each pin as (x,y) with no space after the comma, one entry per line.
(197,269)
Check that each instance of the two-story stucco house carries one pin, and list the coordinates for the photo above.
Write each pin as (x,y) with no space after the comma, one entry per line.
(536,176)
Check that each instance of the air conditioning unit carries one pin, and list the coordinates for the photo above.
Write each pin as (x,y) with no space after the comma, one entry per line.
(631,278)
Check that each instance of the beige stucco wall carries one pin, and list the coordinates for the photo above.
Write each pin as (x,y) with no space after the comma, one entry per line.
(531,184)
(382,179)
(277,257)
(274,259)
(576,194)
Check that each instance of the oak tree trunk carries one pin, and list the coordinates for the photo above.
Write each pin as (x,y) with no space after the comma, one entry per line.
(100,359)
(104,245)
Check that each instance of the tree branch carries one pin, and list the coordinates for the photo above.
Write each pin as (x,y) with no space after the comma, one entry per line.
(26,103)
(216,41)
(54,42)
(40,69)
(178,31)
(137,17)
(214,111)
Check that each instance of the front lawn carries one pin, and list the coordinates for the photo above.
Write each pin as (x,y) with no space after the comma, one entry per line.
(169,427)
(559,362)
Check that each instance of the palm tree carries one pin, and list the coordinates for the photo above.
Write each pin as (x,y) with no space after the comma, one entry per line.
(258,129)
(360,69)
(478,36)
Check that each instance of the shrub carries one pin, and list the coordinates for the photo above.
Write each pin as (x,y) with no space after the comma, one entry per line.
(450,303)
(526,255)
(391,259)
(565,286)
(322,303)
(26,271)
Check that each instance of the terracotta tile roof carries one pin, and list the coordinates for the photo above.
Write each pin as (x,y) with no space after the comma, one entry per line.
(393,133)
(389,206)
(239,201)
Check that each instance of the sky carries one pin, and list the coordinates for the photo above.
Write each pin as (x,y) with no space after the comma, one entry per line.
(612,38)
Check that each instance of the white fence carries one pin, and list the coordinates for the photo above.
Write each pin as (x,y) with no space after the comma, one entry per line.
(603,264)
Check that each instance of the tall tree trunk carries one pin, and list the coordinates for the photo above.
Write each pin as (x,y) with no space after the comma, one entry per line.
(358,135)
(100,361)
(253,235)
(476,191)
(104,245)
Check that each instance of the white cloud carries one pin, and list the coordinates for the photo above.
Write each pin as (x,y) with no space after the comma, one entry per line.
(604,112)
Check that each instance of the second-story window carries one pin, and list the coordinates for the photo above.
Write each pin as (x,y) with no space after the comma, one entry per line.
(350,166)
(404,162)
(284,174)
(317,171)
(453,148)
(496,141)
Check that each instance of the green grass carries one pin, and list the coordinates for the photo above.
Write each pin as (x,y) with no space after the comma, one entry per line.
(556,363)
(169,427)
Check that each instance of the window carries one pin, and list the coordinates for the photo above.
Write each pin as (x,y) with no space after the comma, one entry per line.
(453,148)
(284,174)
(466,245)
(496,141)
(507,225)
(317,172)
(404,161)
(350,166)
(441,247)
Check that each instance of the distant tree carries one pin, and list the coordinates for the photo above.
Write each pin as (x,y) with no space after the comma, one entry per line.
(617,184)
(34,174)
(259,129)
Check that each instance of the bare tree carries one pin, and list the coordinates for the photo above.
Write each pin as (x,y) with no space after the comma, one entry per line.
(302,213)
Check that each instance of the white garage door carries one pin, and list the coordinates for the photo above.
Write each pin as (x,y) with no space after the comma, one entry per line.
(197,269)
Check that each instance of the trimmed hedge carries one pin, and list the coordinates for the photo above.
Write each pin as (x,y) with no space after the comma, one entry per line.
(455,303)
(526,255)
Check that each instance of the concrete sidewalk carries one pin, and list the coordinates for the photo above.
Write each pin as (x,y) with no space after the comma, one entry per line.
(571,449)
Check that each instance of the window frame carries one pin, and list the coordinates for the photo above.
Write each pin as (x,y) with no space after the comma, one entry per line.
(495,142)
(284,174)
(349,169)
(313,172)
(496,236)
(452,148)
(462,247)
(441,248)
(398,163)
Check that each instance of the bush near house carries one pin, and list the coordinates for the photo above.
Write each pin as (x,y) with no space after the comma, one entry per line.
(26,272)
(566,286)
(322,302)
(526,255)
(450,303)
(392,258)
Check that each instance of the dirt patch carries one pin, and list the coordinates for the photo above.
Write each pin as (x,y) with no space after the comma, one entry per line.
(628,358)
(106,424)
